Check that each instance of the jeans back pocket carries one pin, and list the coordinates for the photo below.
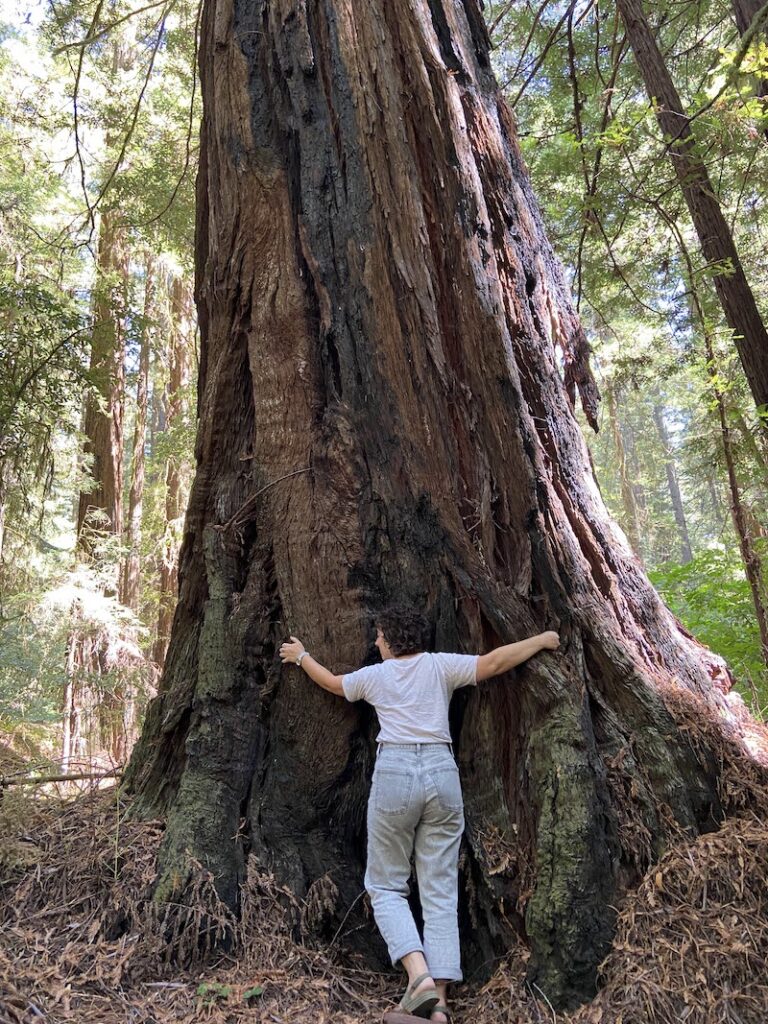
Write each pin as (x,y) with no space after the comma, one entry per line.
(392,789)
(448,786)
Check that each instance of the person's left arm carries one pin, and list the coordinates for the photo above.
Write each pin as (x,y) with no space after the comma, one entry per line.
(502,659)
(291,652)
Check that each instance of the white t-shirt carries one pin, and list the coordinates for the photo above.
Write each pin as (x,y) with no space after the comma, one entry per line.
(411,695)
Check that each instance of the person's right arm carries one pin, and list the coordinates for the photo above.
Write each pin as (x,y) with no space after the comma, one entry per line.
(318,673)
(502,659)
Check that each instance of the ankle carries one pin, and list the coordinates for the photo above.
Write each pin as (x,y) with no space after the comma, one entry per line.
(426,982)
(415,966)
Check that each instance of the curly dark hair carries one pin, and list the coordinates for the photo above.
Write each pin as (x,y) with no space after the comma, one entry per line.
(405,630)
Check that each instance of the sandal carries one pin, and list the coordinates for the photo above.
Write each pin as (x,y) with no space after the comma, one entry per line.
(395,1017)
(419,1004)
(442,1009)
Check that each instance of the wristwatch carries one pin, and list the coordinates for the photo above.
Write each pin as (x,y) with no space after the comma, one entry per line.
(302,655)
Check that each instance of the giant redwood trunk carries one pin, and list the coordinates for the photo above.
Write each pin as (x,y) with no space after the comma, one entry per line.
(388,350)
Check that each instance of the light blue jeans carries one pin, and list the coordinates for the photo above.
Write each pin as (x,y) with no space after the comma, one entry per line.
(416,806)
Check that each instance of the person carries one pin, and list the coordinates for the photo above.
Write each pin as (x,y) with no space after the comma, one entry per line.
(415,804)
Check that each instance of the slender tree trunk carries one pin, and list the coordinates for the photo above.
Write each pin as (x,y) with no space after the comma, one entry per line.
(181,338)
(158,422)
(673,486)
(100,508)
(715,502)
(755,449)
(381,415)
(103,424)
(3,501)
(123,699)
(733,290)
(627,492)
(740,514)
(749,556)
(99,513)
(68,710)
(638,490)
(130,581)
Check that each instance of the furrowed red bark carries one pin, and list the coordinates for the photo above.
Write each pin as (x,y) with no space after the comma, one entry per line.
(382,414)
(733,290)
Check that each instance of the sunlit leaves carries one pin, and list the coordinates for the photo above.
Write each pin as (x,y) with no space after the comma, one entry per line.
(712,598)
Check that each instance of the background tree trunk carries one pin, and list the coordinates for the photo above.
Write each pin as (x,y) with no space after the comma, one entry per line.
(180,350)
(715,500)
(673,486)
(736,297)
(745,12)
(638,489)
(752,564)
(631,518)
(100,511)
(70,715)
(130,577)
(4,480)
(123,699)
(382,415)
(103,422)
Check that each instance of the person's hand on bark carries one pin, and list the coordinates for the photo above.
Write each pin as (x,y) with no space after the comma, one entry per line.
(289,652)
(550,640)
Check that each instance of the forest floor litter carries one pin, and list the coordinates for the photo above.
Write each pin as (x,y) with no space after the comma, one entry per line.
(82,942)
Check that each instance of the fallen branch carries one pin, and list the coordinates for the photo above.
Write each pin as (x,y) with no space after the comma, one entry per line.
(11,781)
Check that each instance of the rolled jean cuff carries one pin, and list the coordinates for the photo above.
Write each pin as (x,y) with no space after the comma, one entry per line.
(447,974)
(404,950)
